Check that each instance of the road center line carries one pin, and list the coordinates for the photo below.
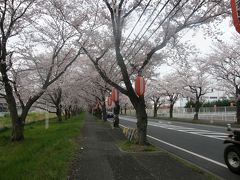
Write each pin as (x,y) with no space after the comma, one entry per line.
(187,151)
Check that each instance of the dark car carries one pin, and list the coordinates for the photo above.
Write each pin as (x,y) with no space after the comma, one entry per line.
(109,115)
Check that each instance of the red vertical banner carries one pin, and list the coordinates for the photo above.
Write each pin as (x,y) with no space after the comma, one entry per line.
(235,5)
(140,85)
(115,95)
(109,101)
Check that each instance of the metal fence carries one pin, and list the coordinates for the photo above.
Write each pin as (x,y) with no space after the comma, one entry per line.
(227,114)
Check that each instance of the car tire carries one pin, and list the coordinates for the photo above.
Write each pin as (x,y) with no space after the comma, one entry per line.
(232,158)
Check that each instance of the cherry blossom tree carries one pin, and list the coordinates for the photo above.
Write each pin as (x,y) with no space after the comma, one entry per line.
(35,46)
(155,95)
(153,25)
(124,103)
(195,81)
(14,17)
(80,87)
(51,101)
(90,86)
(73,91)
(100,90)
(171,88)
(225,62)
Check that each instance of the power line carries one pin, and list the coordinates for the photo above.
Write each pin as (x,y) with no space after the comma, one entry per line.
(143,28)
(158,27)
(137,22)
(144,25)
(147,27)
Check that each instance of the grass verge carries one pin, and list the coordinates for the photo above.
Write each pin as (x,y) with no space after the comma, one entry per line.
(5,121)
(129,146)
(44,154)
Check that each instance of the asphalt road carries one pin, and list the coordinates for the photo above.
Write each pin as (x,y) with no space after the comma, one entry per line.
(201,145)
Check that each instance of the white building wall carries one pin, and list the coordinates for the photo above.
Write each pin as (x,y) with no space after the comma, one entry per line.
(209,97)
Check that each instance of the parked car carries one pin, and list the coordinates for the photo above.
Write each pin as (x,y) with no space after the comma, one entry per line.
(110,115)
(232,151)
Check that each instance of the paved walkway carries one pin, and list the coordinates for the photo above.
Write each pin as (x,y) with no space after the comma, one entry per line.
(99,158)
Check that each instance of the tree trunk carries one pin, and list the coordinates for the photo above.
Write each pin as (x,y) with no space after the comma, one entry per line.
(69,112)
(141,121)
(17,122)
(59,114)
(238,111)
(238,105)
(155,109)
(17,130)
(104,112)
(66,114)
(171,110)
(197,107)
(116,111)
(99,113)
(74,111)
(125,110)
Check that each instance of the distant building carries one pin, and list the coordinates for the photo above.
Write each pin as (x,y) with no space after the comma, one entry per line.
(214,95)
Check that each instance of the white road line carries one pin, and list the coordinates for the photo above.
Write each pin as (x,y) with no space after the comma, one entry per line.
(190,152)
(215,133)
(216,136)
(185,150)
(203,133)
(184,128)
(199,132)
(210,136)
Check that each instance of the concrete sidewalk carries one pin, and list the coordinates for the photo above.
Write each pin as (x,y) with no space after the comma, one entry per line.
(98,157)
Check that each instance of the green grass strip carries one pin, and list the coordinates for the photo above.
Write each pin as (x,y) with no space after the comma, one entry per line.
(44,154)
(5,121)
(129,146)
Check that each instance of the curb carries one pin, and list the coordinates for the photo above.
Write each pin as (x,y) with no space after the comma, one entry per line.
(174,156)
(188,163)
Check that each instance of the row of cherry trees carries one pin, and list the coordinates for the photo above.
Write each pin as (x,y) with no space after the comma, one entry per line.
(190,79)
(154,26)
(195,77)
(113,39)
(36,49)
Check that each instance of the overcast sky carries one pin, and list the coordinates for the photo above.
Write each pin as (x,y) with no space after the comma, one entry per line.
(204,43)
